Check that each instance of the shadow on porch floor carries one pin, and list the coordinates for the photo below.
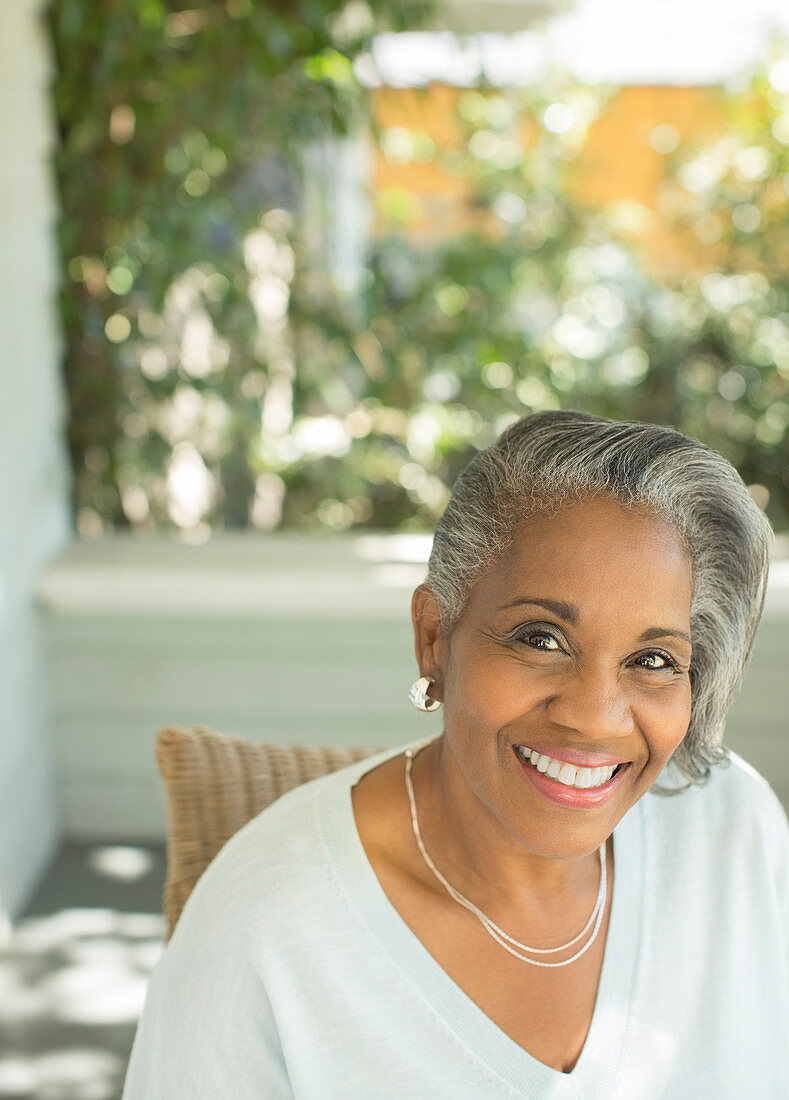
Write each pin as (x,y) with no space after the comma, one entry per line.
(73,978)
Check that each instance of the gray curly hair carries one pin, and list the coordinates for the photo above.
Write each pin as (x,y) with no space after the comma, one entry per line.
(549,459)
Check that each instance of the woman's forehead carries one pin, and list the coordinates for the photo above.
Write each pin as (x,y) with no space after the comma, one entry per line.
(602,519)
(595,549)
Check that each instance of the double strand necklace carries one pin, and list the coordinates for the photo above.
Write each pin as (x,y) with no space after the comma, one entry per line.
(515,947)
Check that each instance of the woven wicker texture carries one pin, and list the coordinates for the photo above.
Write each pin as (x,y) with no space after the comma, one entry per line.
(214,784)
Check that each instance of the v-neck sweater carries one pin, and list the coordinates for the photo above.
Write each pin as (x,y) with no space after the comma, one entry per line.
(291,975)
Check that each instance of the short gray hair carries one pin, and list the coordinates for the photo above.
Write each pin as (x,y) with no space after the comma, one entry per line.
(551,458)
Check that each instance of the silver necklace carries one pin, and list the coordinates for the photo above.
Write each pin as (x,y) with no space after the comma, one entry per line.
(515,947)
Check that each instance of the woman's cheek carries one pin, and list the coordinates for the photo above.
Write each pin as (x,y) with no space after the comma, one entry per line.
(669,717)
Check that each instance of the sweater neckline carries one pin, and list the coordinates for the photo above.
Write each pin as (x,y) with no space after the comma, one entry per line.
(595,1071)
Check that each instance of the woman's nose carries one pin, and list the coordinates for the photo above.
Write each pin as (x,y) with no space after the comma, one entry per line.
(594,703)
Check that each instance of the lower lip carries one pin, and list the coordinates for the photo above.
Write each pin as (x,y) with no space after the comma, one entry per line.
(576,797)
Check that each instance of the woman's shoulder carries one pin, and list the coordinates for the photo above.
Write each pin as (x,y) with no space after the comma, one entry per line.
(734,804)
(282,850)
(740,784)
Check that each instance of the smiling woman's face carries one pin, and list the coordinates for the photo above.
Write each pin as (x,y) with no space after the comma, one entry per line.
(575,647)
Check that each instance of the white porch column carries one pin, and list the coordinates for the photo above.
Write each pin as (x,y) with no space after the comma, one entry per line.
(34,516)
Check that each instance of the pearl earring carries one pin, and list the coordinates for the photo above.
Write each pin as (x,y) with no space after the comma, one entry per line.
(419,697)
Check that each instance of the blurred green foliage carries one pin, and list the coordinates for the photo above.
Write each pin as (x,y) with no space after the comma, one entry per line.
(546,304)
(221,374)
(179,128)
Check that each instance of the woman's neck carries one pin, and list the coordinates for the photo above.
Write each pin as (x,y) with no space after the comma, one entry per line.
(480,857)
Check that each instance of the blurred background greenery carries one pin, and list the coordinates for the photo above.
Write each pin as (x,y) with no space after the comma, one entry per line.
(225,371)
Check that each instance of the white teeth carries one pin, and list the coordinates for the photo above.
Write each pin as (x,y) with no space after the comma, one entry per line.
(567,774)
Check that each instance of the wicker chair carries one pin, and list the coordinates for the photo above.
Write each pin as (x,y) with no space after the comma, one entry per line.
(214,784)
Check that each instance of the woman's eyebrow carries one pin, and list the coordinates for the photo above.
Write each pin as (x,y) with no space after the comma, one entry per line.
(656,632)
(567,611)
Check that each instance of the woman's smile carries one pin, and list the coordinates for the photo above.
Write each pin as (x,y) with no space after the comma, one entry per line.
(569,784)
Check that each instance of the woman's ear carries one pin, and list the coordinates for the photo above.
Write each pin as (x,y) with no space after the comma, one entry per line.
(429,638)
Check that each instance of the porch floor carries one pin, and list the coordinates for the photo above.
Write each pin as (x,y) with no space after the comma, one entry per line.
(74,975)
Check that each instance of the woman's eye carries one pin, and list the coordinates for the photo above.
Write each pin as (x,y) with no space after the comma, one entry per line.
(657,661)
(539,639)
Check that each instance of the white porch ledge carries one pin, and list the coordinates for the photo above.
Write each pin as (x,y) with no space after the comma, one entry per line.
(245,575)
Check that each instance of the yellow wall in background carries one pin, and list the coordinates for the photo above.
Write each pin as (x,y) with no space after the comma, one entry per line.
(617,166)
(435,199)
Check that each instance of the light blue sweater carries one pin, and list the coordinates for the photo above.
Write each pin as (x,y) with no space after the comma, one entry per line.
(290,974)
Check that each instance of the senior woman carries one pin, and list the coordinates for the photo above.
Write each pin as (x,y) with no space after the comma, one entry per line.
(574,890)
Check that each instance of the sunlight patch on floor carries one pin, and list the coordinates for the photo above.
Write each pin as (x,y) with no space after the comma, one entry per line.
(73,978)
